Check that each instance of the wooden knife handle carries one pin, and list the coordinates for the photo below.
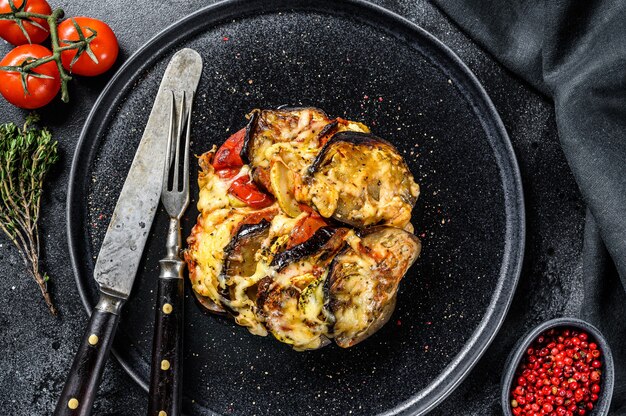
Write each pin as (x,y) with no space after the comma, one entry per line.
(82,382)
(166,371)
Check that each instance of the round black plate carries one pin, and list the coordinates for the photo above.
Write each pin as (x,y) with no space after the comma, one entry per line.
(357,61)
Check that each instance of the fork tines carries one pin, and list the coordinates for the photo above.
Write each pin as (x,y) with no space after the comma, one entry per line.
(175,198)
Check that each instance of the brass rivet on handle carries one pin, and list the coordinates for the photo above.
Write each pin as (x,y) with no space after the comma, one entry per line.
(165,365)
(93,339)
(167,309)
(162,413)
(72,403)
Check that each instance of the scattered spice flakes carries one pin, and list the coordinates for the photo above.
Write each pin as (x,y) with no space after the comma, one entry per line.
(225,38)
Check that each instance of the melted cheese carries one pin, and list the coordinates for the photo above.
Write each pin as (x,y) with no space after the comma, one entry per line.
(220,216)
(215,232)
(290,135)
(302,320)
(357,295)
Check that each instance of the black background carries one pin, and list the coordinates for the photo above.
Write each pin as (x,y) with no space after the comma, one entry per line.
(37,349)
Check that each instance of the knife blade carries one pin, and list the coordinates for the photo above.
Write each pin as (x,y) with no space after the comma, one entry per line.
(124,241)
(126,236)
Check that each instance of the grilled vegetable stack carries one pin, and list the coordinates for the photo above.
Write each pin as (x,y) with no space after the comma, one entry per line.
(304,229)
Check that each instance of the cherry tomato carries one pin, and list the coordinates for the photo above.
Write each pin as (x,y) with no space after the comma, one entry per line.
(11,32)
(40,90)
(304,229)
(227,156)
(104,46)
(246,191)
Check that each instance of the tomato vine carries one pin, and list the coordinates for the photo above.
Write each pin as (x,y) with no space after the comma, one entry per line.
(19,15)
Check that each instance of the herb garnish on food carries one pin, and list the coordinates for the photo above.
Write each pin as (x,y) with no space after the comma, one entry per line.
(26,155)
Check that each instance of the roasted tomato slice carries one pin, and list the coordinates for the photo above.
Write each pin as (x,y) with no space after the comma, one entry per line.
(227,156)
(246,191)
(304,229)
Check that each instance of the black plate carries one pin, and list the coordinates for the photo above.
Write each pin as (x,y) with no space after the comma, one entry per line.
(357,61)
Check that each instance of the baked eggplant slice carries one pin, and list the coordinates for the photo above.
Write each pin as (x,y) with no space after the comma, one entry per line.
(289,133)
(281,144)
(360,180)
(239,278)
(204,255)
(240,253)
(294,304)
(247,260)
(313,245)
(364,281)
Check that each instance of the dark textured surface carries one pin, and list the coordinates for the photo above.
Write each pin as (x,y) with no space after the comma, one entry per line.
(39,348)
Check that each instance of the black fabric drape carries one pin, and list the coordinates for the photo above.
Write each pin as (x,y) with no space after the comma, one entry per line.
(575,52)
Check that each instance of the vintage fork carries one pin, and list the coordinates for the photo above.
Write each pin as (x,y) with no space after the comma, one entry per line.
(166,370)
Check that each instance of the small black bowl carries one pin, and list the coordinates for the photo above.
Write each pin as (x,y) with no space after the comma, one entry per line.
(608,371)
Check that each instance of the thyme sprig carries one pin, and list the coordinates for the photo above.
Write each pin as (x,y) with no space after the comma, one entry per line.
(26,155)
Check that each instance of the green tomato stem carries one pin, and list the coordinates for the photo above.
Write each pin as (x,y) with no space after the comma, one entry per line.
(56,52)
(30,15)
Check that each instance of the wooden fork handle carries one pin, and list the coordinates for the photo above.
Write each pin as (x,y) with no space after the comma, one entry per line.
(166,371)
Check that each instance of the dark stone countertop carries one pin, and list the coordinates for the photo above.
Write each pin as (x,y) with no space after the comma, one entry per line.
(37,349)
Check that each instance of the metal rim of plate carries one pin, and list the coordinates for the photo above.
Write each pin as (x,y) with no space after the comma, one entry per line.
(400,28)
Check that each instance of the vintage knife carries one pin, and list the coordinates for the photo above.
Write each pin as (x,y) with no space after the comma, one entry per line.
(125,239)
